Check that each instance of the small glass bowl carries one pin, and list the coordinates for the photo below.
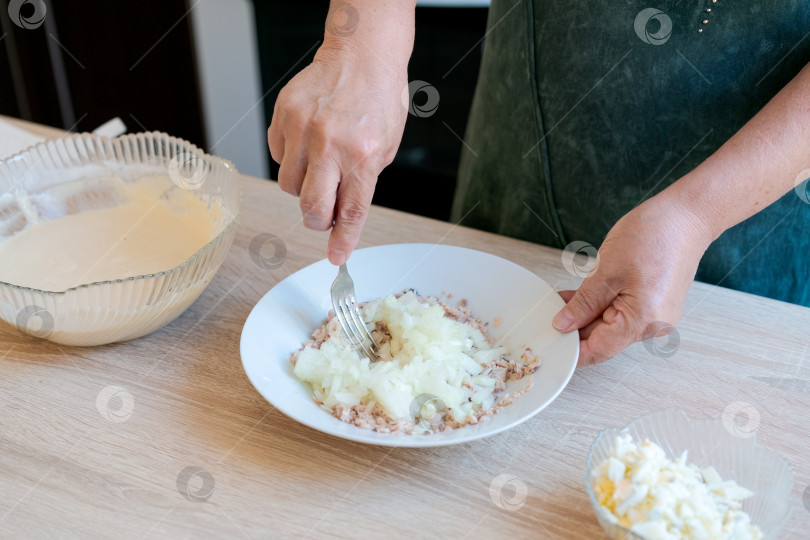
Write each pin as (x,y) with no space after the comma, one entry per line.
(735,457)
(68,175)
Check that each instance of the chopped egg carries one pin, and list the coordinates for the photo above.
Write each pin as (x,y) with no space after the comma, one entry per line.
(663,499)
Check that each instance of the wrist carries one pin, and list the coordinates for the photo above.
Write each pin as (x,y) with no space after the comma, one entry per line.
(687,202)
(373,32)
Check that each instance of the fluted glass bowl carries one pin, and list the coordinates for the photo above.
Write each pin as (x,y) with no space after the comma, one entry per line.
(73,174)
(733,453)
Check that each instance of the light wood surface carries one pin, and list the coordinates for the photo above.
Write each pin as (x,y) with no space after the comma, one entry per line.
(68,471)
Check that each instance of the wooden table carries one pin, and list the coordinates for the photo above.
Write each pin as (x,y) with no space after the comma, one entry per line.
(82,458)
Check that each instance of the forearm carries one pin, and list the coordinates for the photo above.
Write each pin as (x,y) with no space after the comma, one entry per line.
(754,168)
(379,33)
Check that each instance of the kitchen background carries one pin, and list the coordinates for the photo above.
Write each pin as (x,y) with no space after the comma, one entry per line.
(209,71)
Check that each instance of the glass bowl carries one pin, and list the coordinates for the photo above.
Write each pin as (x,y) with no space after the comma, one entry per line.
(735,457)
(73,174)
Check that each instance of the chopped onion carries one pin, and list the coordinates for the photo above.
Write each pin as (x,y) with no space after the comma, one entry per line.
(429,353)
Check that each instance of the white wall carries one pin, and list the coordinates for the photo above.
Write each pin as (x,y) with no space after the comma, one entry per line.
(228,64)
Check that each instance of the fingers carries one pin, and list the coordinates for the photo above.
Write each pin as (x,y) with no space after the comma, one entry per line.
(353,199)
(606,339)
(319,193)
(584,333)
(329,198)
(293,166)
(588,303)
(585,353)
(275,141)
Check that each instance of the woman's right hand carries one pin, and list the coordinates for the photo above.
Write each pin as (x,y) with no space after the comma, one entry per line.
(338,123)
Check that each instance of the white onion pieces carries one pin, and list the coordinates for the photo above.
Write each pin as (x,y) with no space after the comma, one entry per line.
(428,354)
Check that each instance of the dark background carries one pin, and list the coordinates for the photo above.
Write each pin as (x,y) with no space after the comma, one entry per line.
(93,60)
(104,49)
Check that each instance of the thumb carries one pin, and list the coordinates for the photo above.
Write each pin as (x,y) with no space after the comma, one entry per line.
(587,304)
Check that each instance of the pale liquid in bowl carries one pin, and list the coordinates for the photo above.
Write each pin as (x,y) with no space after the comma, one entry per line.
(151,232)
(139,228)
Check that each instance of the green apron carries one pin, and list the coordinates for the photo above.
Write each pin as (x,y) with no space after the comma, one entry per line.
(583,110)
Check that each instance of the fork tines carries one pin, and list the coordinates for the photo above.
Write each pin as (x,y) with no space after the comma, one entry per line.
(348,314)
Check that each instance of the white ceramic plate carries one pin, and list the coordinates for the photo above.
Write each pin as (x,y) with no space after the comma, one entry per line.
(286,316)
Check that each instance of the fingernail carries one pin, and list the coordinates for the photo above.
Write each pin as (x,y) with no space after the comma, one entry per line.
(563,320)
(337,257)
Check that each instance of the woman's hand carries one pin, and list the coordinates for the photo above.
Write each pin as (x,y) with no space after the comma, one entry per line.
(648,260)
(339,122)
(637,289)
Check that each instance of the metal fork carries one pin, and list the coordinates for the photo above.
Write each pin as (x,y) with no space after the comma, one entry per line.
(348,314)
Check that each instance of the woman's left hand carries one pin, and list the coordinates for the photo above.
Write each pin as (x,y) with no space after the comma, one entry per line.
(644,269)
